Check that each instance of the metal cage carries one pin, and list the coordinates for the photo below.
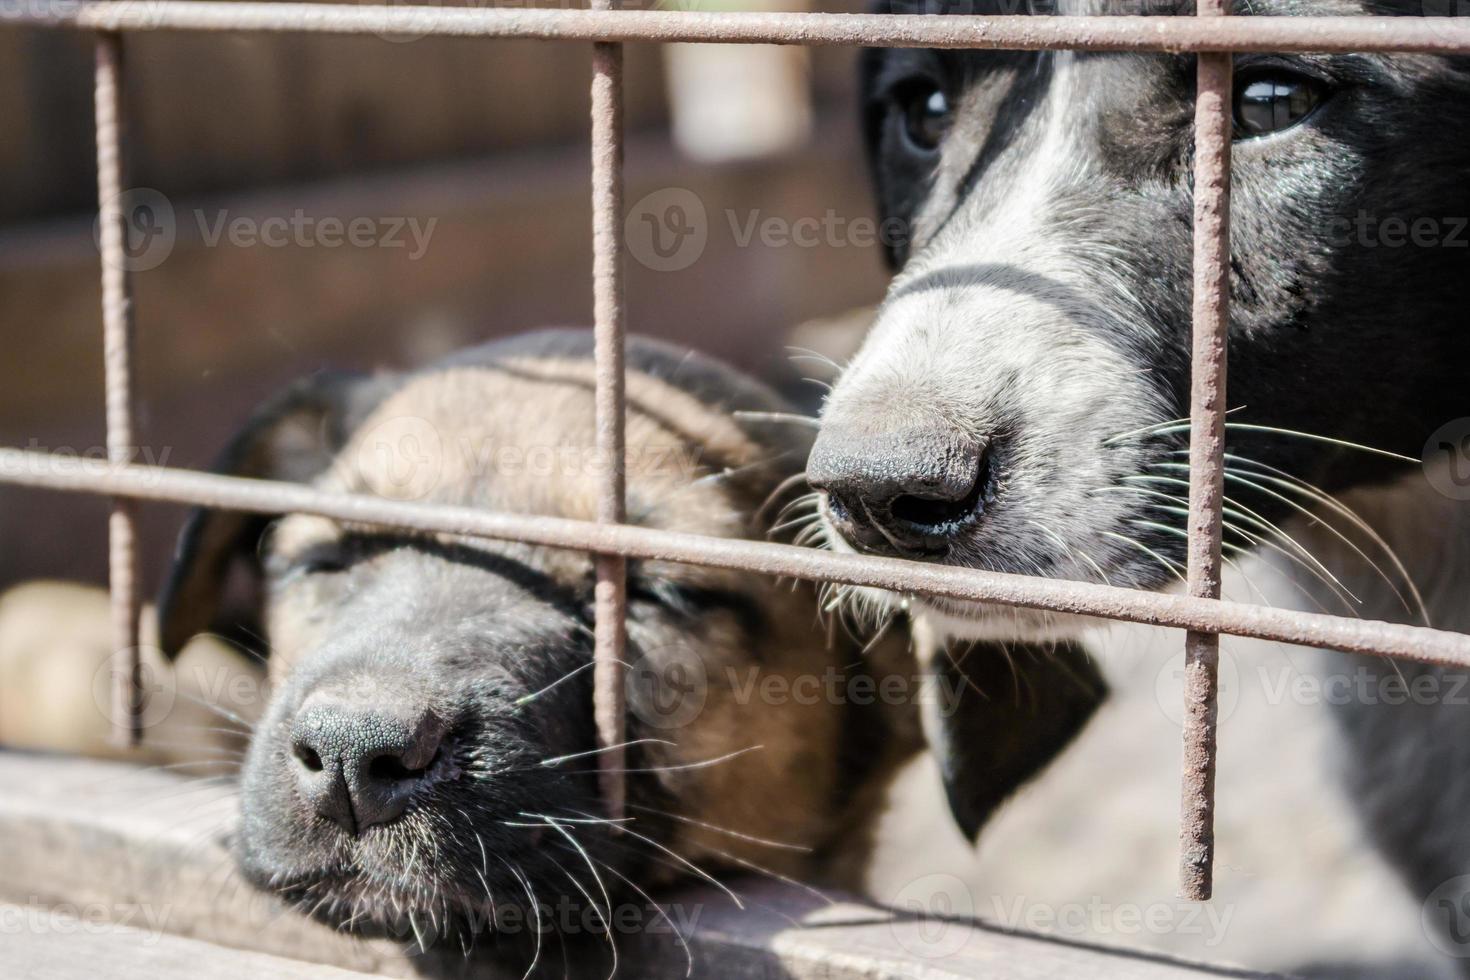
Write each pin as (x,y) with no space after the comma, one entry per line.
(1201,612)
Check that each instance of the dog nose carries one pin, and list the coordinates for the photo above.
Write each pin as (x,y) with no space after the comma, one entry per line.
(361,765)
(910,492)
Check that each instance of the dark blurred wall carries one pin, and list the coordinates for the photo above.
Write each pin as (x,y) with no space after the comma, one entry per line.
(488,140)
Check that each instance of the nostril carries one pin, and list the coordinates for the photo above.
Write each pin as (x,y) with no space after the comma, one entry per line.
(395,768)
(939,512)
(308,758)
(927,512)
(360,765)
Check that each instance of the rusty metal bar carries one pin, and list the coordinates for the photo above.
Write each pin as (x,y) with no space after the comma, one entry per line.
(1201,613)
(1429,35)
(117,348)
(1371,637)
(1212,132)
(609,329)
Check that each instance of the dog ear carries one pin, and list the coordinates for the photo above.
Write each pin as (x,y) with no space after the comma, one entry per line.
(293,437)
(1001,715)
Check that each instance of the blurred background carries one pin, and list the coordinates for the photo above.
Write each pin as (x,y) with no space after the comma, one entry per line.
(303,202)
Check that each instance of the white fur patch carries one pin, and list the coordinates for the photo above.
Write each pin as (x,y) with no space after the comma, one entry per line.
(1089,851)
(998,328)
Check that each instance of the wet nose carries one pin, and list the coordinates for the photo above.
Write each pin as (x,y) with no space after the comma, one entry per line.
(910,492)
(361,765)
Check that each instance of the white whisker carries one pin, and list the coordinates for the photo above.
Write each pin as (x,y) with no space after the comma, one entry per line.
(790,418)
(720,830)
(557,760)
(705,875)
(1171,566)
(682,767)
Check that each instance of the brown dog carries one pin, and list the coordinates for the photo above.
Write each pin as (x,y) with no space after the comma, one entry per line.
(427,761)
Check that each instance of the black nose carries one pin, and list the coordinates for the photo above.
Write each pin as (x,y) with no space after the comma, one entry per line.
(360,765)
(911,492)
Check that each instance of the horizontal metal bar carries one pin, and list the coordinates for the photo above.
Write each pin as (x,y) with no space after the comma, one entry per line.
(96,476)
(1442,35)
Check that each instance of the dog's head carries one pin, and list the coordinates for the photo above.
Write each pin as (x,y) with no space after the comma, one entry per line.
(1012,407)
(428,756)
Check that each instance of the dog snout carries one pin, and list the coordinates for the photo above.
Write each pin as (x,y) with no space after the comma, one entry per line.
(910,492)
(361,765)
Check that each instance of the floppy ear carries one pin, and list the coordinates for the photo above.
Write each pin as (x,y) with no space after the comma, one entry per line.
(293,436)
(1001,716)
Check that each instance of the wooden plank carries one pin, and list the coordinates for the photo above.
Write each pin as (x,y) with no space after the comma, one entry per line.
(213,114)
(43,944)
(116,841)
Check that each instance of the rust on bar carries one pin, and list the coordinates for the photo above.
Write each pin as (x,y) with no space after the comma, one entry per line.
(1201,613)
(1365,636)
(1284,35)
(608,325)
(117,346)
(1212,135)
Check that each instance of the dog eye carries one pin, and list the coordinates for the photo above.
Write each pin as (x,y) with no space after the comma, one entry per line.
(1271,101)
(321,560)
(926,116)
(661,593)
(320,565)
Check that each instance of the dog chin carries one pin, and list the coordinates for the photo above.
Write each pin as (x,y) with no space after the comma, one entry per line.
(956,619)
(979,621)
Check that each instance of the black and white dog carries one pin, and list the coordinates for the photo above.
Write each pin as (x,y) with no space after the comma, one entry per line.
(1016,405)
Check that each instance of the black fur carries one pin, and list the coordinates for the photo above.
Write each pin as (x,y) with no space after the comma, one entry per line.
(1329,335)
(1013,711)
(1335,331)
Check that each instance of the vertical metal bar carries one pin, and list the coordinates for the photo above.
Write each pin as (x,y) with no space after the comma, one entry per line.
(117,344)
(608,319)
(1212,134)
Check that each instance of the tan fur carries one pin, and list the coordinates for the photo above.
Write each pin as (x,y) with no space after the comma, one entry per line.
(788,789)
(55,671)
